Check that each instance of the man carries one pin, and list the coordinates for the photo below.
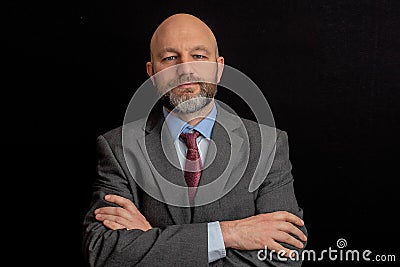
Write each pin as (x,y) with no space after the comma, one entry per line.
(128,226)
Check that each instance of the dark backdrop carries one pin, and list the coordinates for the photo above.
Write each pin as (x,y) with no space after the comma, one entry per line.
(330,71)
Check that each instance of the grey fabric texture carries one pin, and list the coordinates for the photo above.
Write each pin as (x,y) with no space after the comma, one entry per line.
(179,234)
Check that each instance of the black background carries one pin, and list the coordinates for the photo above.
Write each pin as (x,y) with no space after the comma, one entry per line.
(330,71)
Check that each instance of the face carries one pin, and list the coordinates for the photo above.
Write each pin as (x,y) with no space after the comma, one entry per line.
(185,65)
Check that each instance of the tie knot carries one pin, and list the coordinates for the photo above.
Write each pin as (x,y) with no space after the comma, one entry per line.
(190,138)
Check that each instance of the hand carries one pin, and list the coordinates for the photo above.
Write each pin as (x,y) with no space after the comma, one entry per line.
(262,230)
(126,216)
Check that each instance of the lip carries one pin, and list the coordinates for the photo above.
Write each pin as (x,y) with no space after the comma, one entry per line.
(187,85)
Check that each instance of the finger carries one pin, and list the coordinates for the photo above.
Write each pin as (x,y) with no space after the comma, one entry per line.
(111,218)
(288,239)
(292,229)
(113,225)
(138,223)
(121,201)
(288,217)
(281,250)
(116,211)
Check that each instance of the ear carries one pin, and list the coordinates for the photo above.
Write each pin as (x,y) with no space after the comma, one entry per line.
(220,62)
(149,68)
(150,72)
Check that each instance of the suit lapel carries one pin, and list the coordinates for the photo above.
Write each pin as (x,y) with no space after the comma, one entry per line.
(223,155)
(164,163)
(218,154)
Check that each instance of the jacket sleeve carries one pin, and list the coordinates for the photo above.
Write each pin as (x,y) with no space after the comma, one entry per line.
(155,247)
(276,193)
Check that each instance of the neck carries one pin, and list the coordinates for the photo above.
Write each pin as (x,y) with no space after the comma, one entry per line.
(196,117)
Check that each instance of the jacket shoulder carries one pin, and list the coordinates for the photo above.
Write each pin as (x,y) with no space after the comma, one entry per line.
(135,128)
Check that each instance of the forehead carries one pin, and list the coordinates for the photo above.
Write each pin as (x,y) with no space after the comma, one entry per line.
(182,38)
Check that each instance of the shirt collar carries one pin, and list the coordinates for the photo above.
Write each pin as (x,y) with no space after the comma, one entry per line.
(176,125)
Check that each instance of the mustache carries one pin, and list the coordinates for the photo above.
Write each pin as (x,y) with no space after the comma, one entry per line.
(183,79)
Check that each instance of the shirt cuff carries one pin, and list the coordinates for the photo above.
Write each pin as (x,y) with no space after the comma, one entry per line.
(216,246)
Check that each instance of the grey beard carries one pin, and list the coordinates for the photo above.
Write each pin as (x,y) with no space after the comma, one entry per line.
(187,104)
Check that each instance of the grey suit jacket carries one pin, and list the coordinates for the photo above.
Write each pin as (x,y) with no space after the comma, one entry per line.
(131,160)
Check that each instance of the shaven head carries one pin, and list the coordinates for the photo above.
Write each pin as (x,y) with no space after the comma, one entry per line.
(180,27)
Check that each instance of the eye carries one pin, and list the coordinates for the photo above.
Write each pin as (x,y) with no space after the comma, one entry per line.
(199,56)
(169,58)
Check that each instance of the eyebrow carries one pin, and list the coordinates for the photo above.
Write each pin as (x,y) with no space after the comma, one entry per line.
(201,48)
(165,50)
(173,50)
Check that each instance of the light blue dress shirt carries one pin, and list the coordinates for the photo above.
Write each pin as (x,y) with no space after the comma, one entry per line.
(216,247)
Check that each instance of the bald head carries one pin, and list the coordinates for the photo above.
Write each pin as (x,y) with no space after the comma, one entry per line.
(182,31)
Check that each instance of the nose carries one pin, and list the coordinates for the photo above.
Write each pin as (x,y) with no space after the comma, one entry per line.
(185,67)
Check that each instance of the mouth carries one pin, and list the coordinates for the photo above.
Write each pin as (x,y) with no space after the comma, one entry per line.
(187,85)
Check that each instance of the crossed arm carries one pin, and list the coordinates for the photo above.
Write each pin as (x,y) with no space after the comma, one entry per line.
(277,227)
(252,233)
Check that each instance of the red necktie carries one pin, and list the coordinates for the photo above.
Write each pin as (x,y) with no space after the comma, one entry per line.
(192,171)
